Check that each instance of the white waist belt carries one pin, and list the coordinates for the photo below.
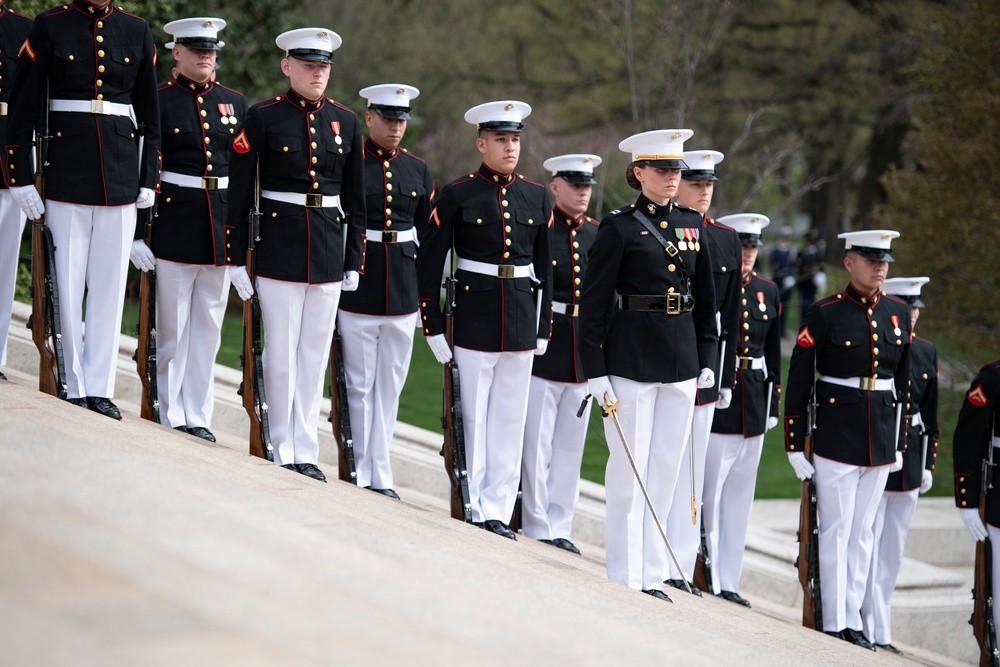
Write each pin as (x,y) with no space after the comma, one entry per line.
(197,182)
(917,420)
(391,236)
(101,107)
(501,271)
(996,441)
(751,363)
(308,200)
(3,108)
(567,309)
(864,384)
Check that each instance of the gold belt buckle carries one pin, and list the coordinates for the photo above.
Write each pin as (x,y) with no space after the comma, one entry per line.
(673,304)
(868,384)
(505,271)
(102,107)
(314,200)
(210,183)
(3,108)
(573,310)
(746,363)
(389,236)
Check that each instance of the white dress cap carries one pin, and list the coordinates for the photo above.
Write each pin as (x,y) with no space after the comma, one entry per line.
(201,33)
(312,44)
(499,116)
(575,167)
(701,165)
(907,289)
(390,100)
(658,148)
(872,243)
(747,225)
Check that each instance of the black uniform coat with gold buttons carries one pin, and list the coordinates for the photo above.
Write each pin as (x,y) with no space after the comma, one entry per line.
(978,424)
(759,337)
(196,141)
(13,30)
(494,219)
(923,400)
(727,264)
(848,335)
(83,52)
(303,147)
(398,191)
(571,241)
(627,259)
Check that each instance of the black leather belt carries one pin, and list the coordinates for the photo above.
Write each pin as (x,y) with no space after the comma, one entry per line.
(671,304)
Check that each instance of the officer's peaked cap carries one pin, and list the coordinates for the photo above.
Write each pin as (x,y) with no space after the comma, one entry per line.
(658,148)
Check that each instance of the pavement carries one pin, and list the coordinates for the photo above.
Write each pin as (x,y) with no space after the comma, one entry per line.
(127,543)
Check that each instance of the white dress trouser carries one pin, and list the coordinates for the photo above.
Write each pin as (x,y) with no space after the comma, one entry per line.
(685,536)
(11,228)
(92,247)
(494,400)
(377,351)
(892,522)
(553,451)
(847,498)
(655,419)
(298,327)
(730,481)
(190,304)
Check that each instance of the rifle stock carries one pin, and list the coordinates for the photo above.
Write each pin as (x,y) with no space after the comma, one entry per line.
(703,564)
(808,558)
(340,414)
(983,626)
(451,420)
(145,351)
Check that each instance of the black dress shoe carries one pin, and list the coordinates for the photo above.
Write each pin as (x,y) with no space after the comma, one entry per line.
(857,638)
(311,470)
(734,597)
(182,429)
(79,402)
(201,432)
(547,542)
(679,585)
(2,376)
(658,594)
(287,466)
(387,492)
(890,648)
(498,527)
(839,634)
(104,406)
(565,545)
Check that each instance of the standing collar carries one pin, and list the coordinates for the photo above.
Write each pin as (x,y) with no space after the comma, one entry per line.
(92,10)
(565,220)
(650,208)
(495,178)
(375,149)
(190,86)
(865,300)
(302,103)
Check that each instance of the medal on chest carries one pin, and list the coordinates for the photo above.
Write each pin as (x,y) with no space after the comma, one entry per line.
(760,302)
(895,323)
(228,113)
(335,126)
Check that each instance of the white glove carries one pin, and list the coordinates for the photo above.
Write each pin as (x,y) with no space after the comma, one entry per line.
(974,524)
(439,346)
(351,279)
(600,387)
(241,281)
(788,283)
(771,422)
(927,481)
(142,256)
(145,199)
(803,469)
(706,378)
(819,280)
(541,344)
(897,465)
(27,198)
(725,398)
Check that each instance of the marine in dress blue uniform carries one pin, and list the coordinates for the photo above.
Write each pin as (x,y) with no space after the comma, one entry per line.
(648,337)
(94,65)
(696,189)
(737,438)
(553,435)
(892,522)
(858,342)
(308,149)
(13,30)
(497,222)
(198,119)
(378,320)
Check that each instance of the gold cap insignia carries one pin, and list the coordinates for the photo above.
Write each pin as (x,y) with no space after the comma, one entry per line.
(322,34)
(508,107)
(400,91)
(886,236)
(206,24)
(675,135)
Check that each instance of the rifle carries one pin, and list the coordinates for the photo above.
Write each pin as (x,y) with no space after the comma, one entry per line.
(46,329)
(982,623)
(340,413)
(451,420)
(807,561)
(252,356)
(703,565)
(145,351)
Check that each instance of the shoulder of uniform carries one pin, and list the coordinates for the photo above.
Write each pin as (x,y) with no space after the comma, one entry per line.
(528,181)
(16,15)
(623,211)
(229,90)
(587,219)
(340,106)
(165,86)
(710,222)
(128,14)
(58,9)
(268,102)
(896,301)
(685,208)
(411,155)
(464,179)
(764,280)
(830,300)
(923,341)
